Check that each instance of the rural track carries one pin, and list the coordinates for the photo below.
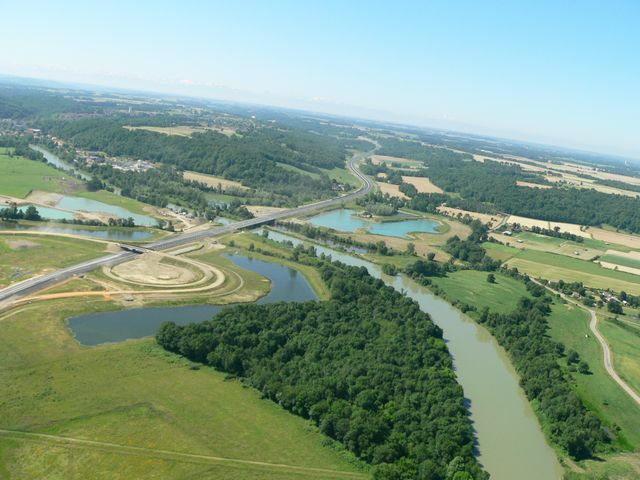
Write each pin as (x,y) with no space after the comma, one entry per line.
(32,285)
(607,356)
(172,455)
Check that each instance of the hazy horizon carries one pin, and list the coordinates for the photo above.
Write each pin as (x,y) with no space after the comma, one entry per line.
(542,73)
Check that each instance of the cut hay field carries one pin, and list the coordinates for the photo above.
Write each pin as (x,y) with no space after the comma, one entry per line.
(19,176)
(391,189)
(23,256)
(483,217)
(184,130)
(553,266)
(613,237)
(532,185)
(422,184)
(213,181)
(151,414)
(396,161)
(585,250)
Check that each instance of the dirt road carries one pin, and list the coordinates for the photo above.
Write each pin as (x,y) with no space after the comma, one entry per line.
(606,351)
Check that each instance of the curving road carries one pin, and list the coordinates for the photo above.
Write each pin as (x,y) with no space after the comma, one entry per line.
(35,284)
(606,351)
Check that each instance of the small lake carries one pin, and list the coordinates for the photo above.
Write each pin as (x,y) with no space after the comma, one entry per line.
(105,234)
(287,284)
(345,220)
(87,205)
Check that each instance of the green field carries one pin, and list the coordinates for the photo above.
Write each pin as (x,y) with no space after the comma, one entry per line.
(341,175)
(471,287)
(624,341)
(135,394)
(24,256)
(570,325)
(618,260)
(19,176)
(560,267)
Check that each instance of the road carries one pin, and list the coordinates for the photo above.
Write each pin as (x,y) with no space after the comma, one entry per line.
(41,282)
(606,351)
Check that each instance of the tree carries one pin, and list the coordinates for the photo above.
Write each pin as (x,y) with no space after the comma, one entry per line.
(583,367)
(32,213)
(491,278)
(431,256)
(573,357)
(411,248)
(614,307)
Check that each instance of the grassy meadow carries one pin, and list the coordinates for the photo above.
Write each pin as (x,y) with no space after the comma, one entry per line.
(24,256)
(135,394)
(19,176)
(472,287)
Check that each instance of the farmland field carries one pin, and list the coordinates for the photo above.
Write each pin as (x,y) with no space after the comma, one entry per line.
(621,260)
(212,181)
(552,266)
(19,176)
(422,184)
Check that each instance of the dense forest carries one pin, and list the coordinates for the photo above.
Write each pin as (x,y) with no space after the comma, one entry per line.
(368,367)
(254,158)
(491,186)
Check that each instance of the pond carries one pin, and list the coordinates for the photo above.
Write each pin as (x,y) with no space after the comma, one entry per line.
(87,205)
(287,284)
(46,212)
(105,234)
(345,220)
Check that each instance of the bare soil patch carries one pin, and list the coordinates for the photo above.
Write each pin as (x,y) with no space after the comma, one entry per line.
(261,210)
(22,244)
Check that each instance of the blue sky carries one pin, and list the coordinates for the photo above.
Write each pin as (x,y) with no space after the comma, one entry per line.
(566,73)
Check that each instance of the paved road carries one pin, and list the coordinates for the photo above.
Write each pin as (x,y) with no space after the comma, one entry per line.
(35,284)
(607,356)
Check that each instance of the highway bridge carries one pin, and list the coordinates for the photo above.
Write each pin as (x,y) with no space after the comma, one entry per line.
(32,285)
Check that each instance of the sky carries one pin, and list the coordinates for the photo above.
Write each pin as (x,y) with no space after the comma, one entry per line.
(563,73)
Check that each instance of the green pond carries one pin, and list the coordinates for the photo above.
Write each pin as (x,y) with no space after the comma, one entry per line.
(345,220)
